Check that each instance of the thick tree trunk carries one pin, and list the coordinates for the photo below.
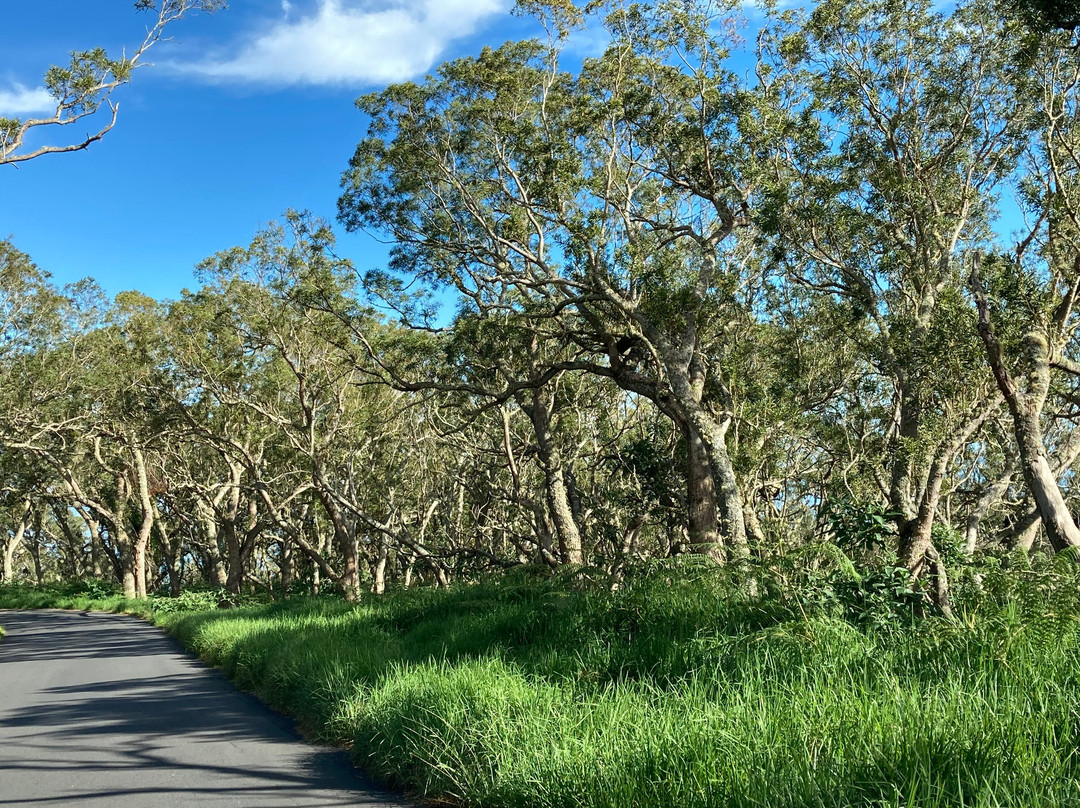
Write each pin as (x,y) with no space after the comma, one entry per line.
(701,505)
(713,435)
(1027,526)
(217,570)
(128,578)
(729,496)
(901,483)
(1061,528)
(234,578)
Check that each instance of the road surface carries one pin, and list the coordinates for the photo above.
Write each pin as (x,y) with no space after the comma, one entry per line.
(104,711)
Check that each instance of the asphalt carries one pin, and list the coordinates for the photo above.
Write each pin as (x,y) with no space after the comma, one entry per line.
(104,711)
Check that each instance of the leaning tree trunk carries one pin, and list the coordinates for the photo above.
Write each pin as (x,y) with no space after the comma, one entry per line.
(916,539)
(1026,405)
(990,496)
(1061,528)
(7,571)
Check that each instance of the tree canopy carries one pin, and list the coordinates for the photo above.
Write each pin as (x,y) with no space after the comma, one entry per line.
(815,293)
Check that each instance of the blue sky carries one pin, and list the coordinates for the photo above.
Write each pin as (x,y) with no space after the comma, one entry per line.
(244,114)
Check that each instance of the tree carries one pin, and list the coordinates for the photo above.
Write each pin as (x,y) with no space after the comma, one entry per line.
(614,204)
(86,85)
(905,135)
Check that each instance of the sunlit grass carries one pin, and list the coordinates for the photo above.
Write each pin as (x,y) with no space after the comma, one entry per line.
(673,691)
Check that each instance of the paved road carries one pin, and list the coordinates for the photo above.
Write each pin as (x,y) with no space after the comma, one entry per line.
(105,711)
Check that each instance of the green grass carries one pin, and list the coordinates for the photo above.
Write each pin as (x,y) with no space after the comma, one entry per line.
(672,691)
(81,596)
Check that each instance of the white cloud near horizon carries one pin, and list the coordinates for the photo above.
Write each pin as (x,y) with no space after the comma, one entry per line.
(349,42)
(21,100)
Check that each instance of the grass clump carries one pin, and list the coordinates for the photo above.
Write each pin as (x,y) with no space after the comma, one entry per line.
(677,690)
(85,595)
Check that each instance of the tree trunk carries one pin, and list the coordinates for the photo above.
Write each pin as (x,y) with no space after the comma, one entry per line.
(556,493)
(126,550)
(288,566)
(344,539)
(991,495)
(701,503)
(7,571)
(378,577)
(170,551)
(713,435)
(1026,405)
(217,571)
(234,578)
(916,541)
(34,546)
(1061,528)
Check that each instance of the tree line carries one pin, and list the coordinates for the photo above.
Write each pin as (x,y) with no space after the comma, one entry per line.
(707,296)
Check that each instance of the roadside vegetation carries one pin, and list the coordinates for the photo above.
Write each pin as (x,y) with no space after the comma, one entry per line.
(709,438)
(677,689)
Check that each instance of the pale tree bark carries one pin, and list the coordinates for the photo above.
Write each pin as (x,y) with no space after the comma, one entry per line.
(990,496)
(567,534)
(344,534)
(208,524)
(378,574)
(288,565)
(1025,405)
(916,541)
(702,496)
(1028,524)
(7,571)
(145,526)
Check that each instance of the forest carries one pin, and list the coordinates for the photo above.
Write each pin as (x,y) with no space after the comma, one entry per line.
(748,350)
(699,296)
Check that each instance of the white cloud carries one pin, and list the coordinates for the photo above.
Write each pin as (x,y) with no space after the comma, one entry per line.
(20,101)
(351,42)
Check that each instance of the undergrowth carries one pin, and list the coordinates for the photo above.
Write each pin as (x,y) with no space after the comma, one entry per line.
(688,686)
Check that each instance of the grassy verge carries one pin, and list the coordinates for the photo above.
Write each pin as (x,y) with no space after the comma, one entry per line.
(672,691)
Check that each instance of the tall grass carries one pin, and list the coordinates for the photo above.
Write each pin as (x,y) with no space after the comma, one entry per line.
(673,691)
